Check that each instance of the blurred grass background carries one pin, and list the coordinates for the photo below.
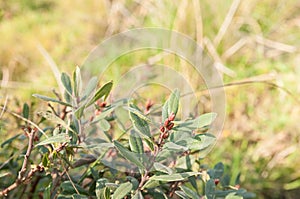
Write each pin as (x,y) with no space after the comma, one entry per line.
(247,38)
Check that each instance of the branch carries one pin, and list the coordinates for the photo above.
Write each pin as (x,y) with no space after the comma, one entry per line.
(22,177)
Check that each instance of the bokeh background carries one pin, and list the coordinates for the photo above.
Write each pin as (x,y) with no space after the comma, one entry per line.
(255,44)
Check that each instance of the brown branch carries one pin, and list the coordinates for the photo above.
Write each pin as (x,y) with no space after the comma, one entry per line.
(21,176)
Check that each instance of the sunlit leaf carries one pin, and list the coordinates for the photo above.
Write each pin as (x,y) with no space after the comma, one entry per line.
(60,138)
(162,168)
(197,123)
(122,190)
(190,193)
(132,109)
(49,99)
(174,177)
(77,81)
(104,125)
(101,92)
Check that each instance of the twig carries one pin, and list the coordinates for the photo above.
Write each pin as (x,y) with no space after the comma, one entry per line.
(22,177)
(24,119)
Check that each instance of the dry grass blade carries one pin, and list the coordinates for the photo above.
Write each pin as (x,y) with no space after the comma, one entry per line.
(275,45)
(217,60)
(198,21)
(53,67)
(234,6)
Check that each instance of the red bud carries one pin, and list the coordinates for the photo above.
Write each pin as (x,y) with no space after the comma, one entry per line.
(172,117)
(217,181)
(167,122)
(170,126)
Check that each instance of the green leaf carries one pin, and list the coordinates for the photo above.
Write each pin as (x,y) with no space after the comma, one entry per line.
(171,105)
(138,195)
(140,125)
(10,140)
(136,143)
(68,97)
(103,91)
(162,168)
(77,81)
(185,162)
(55,139)
(65,79)
(104,125)
(151,184)
(173,102)
(25,110)
(128,155)
(135,183)
(210,189)
(164,111)
(174,147)
(174,177)
(218,170)
(52,117)
(149,143)
(122,190)
(49,99)
(79,112)
(76,196)
(181,194)
(197,123)
(91,86)
(67,188)
(47,192)
(4,174)
(102,192)
(233,196)
(189,192)
(137,112)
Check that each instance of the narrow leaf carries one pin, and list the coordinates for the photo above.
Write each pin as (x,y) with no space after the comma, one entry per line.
(103,91)
(173,102)
(122,190)
(174,177)
(55,139)
(138,195)
(128,155)
(181,194)
(49,99)
(139,124)
(104,125)
(137,112)
(189,192)
(77,81)
(55,119)
(135,143)
(25,110)
(65,79)
(162,168)
(91,86)
(210,189)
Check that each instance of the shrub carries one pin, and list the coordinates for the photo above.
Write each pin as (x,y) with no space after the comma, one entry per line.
(86,147)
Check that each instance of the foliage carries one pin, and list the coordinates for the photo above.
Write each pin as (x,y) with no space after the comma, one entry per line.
(66,157)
